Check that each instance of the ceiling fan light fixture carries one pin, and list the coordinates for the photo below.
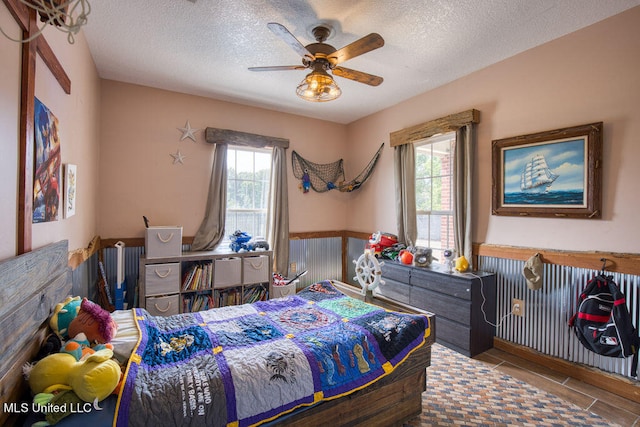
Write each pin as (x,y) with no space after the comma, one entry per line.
(318,86)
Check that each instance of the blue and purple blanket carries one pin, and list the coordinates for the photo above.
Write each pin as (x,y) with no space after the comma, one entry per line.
(247,364)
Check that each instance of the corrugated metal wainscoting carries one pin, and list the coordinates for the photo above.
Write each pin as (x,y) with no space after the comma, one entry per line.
(544,326)
(321,257)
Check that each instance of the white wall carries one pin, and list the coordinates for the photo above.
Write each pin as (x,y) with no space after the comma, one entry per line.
(10,52)
(138,176)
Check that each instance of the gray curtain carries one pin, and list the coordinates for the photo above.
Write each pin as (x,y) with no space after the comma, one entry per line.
(278,213)
(462,182)
(405,180)
(211,229)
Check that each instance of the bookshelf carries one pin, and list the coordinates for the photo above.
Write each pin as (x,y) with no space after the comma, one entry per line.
(195,281)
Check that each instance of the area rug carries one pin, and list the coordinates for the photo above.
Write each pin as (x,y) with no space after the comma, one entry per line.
(467,392)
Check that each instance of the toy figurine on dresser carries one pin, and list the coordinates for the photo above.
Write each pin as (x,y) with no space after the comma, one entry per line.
(448,255)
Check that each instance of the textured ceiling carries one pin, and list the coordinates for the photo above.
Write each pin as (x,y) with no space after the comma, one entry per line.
(204,47)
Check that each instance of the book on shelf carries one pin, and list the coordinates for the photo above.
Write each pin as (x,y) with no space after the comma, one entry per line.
(187,278)
(254,293)
(198,277)
(197,302)
(229,296)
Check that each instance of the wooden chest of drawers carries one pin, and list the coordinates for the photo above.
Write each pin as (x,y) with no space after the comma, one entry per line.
(464,303)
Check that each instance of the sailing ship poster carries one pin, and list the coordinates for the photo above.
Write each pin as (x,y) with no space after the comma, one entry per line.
(551,174)
(545,174)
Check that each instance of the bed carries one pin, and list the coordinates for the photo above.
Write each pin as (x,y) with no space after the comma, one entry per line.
(380,382)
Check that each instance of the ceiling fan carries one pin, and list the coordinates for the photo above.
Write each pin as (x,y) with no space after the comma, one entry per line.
(321,58)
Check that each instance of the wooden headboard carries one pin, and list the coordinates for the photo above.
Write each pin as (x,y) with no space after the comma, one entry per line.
(30,286)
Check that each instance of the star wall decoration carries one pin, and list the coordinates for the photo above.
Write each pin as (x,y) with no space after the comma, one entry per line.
(178,157)
(188,132)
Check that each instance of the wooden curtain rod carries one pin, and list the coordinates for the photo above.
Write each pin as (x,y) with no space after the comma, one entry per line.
(428,129)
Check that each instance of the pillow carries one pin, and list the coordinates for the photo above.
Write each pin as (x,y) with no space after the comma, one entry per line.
(127,335)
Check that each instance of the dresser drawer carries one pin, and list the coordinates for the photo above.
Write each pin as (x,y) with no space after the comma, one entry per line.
(395,271)
(453,333)
(162,279)
(163,306)
(444,283)
(397,291)
(444,306)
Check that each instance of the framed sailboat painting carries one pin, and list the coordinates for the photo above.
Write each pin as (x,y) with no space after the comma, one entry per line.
(556,173)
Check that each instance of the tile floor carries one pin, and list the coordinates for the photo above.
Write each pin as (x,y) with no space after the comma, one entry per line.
(614,408)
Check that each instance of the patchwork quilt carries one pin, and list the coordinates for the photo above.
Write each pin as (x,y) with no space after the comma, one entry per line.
(245,365)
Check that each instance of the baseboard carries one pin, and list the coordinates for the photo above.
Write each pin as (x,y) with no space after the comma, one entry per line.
(612,383)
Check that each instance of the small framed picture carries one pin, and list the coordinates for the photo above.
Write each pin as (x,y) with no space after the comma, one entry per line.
(556,173)
(70,179)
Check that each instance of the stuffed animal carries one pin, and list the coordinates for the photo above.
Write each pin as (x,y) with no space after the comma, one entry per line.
(83,369)
(94,377)
(80,347)
(66,400)
(462,264)
(62,316)
(95,322)
(75,315)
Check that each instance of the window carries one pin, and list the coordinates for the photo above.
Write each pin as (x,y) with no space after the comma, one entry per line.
(248,175)
(434,188)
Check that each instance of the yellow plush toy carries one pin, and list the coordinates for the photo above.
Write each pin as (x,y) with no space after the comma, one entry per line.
(95,377)
(462,264)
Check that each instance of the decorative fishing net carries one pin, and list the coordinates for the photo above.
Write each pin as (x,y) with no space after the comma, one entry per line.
(330,176)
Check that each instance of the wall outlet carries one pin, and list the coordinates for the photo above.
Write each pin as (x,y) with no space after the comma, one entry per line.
(517,307)
(293,267)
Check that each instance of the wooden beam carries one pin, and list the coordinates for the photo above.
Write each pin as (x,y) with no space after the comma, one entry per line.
(26,150)
(357,235)
(428,129)
(315,235)
(53,64)
(616,262)
(233,137)
(20,13)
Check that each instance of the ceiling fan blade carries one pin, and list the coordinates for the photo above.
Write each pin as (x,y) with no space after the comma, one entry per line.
(358,76)
(358,47)
(280,31)
(278,68)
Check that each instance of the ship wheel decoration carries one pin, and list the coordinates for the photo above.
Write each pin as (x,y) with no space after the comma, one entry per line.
(368,272)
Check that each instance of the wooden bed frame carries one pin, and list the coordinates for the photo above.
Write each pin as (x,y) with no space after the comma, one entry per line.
(30,287)
(32,284)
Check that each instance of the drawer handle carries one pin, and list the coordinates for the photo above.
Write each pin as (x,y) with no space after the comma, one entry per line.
(165,240)
(257,265)
(162,276)
(161,310)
